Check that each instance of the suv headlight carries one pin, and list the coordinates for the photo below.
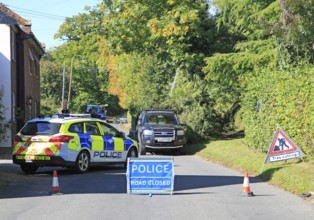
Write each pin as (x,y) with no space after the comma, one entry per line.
(180,132)
(147,132)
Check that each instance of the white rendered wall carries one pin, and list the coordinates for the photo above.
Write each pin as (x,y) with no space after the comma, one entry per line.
(5,79)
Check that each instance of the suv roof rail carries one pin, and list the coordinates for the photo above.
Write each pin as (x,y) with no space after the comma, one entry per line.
(160,110)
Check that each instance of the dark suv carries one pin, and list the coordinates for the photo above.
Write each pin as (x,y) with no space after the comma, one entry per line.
(159,130)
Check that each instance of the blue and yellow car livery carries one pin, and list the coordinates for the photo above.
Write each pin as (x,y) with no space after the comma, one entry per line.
(70,142)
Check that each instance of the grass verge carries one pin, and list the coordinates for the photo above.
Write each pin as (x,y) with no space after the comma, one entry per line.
(296,176)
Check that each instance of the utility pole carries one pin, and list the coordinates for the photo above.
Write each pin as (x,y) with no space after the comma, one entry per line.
(174,83)
(70,84)
(63,86)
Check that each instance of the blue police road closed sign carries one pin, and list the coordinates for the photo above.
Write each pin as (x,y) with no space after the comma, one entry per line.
(150,175)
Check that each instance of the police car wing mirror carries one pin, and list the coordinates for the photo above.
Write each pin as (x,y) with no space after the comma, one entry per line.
(121,134)
(131,134)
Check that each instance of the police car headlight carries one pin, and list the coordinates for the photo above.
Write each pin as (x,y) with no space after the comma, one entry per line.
(180,132)
(148,132)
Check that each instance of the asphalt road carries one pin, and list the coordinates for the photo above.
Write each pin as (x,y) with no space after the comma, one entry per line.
(202,190)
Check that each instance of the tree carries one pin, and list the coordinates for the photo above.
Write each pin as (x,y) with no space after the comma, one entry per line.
(3,124)
(268,66)
(254,48)
(296,28)
(50,85)
(89,82)
(156,48)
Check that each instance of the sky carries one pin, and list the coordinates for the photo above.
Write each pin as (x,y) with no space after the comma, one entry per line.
(47,16)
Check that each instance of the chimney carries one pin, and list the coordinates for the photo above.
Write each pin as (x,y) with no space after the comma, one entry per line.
(26,27)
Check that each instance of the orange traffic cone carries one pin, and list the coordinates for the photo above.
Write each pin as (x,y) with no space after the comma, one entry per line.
(55,184)
(246,190)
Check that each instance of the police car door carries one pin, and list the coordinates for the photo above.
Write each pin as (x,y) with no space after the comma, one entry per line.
(114,144)
(95,139)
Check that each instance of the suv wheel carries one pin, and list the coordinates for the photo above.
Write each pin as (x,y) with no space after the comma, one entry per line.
(82,162)
(142,148)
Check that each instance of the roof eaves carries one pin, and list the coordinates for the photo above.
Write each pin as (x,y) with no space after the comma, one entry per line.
(10,14)
(10,17)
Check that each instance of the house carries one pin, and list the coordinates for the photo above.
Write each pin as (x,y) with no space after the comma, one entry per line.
(20,54)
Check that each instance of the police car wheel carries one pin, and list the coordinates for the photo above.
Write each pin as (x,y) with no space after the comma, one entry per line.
(28,168)
(132,153)
(82,162)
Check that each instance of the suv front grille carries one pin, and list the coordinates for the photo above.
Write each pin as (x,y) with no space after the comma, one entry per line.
(164,133)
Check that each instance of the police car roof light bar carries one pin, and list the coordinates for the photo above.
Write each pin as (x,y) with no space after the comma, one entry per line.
(68,115)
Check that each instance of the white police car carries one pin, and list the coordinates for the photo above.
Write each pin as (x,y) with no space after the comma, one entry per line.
(71,142)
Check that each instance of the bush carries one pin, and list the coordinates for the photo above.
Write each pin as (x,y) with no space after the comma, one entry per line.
(3,123)
(286,100)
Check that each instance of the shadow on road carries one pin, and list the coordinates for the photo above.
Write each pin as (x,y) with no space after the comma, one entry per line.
(268,174)
(101,180)
(187,182)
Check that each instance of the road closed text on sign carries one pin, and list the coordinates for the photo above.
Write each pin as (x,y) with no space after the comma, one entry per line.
(150,175)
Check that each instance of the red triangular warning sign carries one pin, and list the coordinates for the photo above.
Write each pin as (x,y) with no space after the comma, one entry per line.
(282,143)
(282,148)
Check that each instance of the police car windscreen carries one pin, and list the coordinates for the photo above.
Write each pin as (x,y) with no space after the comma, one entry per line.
(41,128)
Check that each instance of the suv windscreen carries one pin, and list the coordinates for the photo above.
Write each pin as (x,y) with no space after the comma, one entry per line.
(160,118)
(41,128)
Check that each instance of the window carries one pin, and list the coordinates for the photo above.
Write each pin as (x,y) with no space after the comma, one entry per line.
(76,128)
(36,67)
(35,108)
(12,45)
(13,106)
(160,118)
(109,131)
(31,62)
(44,128)
(92,128)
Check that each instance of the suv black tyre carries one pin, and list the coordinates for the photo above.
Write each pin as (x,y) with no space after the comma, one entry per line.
(141,147)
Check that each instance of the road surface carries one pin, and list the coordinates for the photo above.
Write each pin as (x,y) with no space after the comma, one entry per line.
(202,190)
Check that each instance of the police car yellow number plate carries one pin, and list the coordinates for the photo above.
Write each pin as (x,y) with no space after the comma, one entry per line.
(32,157)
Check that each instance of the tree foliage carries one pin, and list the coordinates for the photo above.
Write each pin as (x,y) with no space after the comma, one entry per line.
(270,65)
(212,68)
(51,85)
(3,124)
(156,48)
(296,27)
(80,55)
(286,100)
